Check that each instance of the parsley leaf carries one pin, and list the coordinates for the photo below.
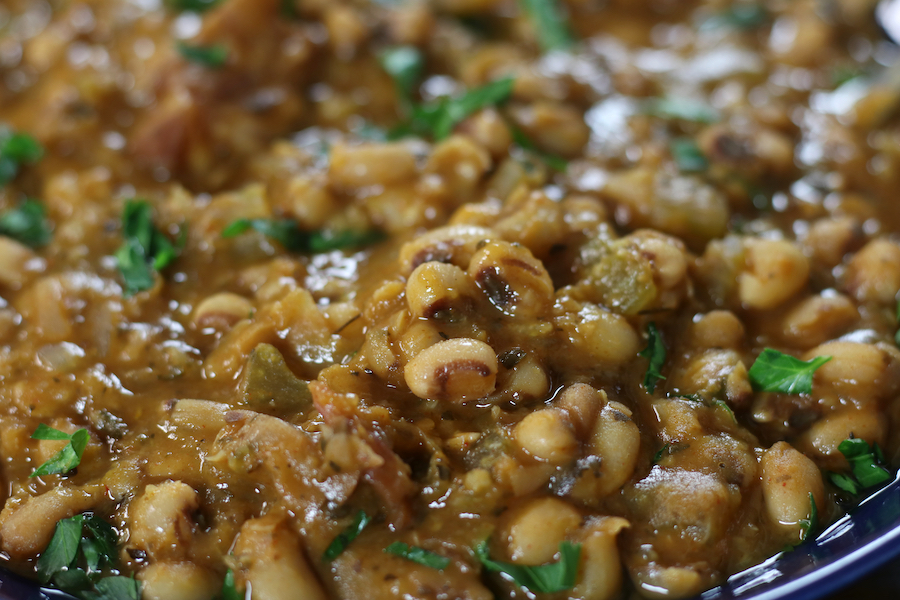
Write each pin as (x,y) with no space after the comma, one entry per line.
(117,587)
(66,459)
(774,371)
(26,224)
(549,23)
(682,109)
(229,588)
(213,57)
(404,64)
(864,463)
(659,454)
(744,16)
(418,555)
(688,156)
(145,248)
(724,406)
(807,526)
(192,5)
(845,483)
(655,352)
(557,163)
(437,119)
(288,233)
(343,539)
(62,550)
(16,149)
(543,579)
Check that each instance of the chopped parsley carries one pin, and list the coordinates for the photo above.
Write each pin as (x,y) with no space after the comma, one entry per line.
(212,57)
(724,406)
(744,16)
(655,353)
(145,249)
(66,459)
(288,233)
(80,548)
(197,6)
(865,462)
(660,453)
(418,555)
(774,371)
(557,163)
(26,224)
(807,526)
(437,119)
(542,579)
(549,23)
(16,149)
(682,109)
(404,64)
(343,539)
(229,588)
(688,156)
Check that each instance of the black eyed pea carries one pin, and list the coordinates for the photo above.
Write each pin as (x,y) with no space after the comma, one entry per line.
(547,435)
(434,288)
(775,270)
(873,274)
(454,244)
(513,280)
(788,479)
(822,439)
(865,373)
(167,580)
(454,370)
(221,311)
(537,528)
(600,576)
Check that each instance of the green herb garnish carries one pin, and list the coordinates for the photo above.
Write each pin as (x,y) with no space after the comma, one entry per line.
(682,109)
(549,23)
(557,163)
(543,579)
(212,57)
(659,454)
(16,149)
(688,156)
(197,6)
(405,65)
(117,587)
(145,249)
(229,588)
(66,459)
(807,526)
(437,119)
(744,16)
(865,463)
(26,224)
(62,550)
(655,353)
(343,539)
(774,371)
(288,233)
(724,406)
(418,555)
(845,483)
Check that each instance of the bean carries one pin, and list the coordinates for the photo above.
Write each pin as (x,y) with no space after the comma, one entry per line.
(17,261)
(818,319)
(371,164)
(555,127)
(454,370)
(276,568)
(600,575)
(718,329)
(598,334)
(512,279)
(775,270)
(460,163)
(436,289)
(547,435)
(788,478)
(616,441)
(824,436)
(536,530)
(177,581)
(161,519)
(221,311)
(865,373)
(828,240)
(873,274)
(453,244)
